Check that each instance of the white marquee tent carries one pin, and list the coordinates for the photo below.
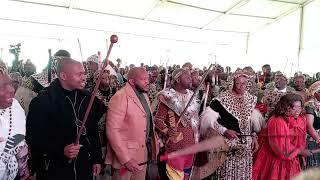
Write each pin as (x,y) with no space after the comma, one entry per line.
(283,33)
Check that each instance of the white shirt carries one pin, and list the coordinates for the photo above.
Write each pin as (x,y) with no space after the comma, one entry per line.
(283,90)
(18,127)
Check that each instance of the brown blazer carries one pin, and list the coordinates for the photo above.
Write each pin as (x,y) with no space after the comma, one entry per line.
(126,129)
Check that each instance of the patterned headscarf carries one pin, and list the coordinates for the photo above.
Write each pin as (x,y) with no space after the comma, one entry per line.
(228,85)
(93,58)
(279,75)
(42,78)
(178,72)
(238,73)
(16,77)
(187,65)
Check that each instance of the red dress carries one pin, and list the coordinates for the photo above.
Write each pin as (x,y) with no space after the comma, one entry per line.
(277,158)
(298,128)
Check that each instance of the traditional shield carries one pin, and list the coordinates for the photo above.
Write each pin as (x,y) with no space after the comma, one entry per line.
(207,163)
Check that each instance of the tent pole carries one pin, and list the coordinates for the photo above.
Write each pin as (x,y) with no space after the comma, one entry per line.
(301,25)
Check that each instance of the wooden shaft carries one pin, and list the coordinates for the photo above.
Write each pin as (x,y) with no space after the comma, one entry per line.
(212,143)
(194,94)
(106,62)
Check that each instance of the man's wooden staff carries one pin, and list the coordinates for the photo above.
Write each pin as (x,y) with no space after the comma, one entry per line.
(113,40)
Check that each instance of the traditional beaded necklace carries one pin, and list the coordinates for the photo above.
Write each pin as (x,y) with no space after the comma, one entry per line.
(2,112)
(10,119)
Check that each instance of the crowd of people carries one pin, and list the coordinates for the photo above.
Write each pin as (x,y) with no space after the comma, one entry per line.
(257,125)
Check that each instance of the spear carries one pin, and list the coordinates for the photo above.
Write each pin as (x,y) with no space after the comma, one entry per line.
(50,66)
(215,82)
(99,59)
(206,96)
(80,49)
(166,76)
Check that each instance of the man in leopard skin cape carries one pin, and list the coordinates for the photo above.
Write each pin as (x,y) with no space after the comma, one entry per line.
(178,136)
(233,115)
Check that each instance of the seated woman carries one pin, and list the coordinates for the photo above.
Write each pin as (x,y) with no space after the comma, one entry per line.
(286,129)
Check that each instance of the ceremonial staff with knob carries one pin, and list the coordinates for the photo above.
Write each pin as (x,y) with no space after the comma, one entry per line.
(113,40)
(62,125)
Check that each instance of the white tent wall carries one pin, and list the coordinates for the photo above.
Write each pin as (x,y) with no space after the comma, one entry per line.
(310,54)
(130,48)
(40,27)
(276,44)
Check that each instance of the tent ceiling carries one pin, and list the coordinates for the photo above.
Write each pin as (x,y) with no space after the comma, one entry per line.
(156,18)
(190,13)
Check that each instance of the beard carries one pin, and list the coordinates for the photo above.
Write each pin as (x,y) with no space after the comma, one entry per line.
(140,89)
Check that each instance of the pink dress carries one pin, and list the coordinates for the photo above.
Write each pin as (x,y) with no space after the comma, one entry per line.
(277,158)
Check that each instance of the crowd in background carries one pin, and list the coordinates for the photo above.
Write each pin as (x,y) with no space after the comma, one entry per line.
(270,122)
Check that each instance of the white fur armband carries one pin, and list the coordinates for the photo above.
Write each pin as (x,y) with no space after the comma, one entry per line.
(209,120)
(257,121)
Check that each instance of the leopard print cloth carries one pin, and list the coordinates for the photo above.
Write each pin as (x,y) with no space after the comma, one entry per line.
(272,97)
(239,163)
(240,107)
(42,78)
